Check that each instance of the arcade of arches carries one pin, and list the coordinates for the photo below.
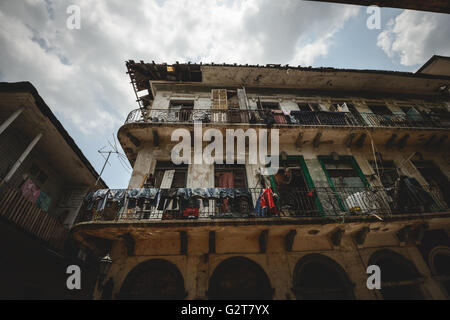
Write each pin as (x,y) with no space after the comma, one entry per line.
(315,276)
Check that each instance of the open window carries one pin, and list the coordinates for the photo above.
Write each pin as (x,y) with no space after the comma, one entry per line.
(439,186)
(308,106)
(387,171)
(295,188)
(230,176)
(379,109)
(181,110)
(169,175)
(270,105)
(347,190)
(343,172)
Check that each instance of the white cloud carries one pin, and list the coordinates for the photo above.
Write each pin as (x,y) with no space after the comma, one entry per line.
(414,36)
(81,73)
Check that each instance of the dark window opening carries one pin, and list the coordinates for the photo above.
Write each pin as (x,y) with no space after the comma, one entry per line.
(399,276)
(37,174)
(295,197)
(291,176)
(239,278)
(270,105)
(380,109)
(179,179)
(441,266)
(154,279)
(387,171)
(230,176)
(342,173)
(356,116)
(181,110)
(319,277)
(304,107)
(308,106)
(439,184)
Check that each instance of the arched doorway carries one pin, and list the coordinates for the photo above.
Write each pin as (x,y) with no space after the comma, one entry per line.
(399,277)
(439,262)
(318,277)
(153,279)
(239,278)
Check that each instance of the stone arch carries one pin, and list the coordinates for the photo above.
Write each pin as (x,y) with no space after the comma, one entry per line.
(439,262)
(317,276)
(399,276)
(153,279)
(239,278)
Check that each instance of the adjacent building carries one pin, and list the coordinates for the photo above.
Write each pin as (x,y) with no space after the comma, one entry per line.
(43,179)
(362,179)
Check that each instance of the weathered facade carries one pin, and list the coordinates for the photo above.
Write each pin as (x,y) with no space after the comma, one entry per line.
(44,177)
(362,180)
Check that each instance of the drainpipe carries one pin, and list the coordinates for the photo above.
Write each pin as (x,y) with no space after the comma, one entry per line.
(22,158)
(8,121)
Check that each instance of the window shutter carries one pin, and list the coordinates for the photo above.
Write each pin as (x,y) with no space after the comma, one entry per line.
(167,179)
(219,102)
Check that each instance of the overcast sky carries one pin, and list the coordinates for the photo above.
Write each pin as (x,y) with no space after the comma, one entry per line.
(81,73)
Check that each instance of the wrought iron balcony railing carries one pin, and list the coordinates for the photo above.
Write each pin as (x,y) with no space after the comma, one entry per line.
(16,209)
(304,118)
(402,120)
(213,203)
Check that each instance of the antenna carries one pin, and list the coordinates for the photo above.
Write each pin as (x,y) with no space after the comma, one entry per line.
(122,158)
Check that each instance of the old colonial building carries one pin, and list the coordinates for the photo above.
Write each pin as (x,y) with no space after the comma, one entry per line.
(43,179)
(362,179)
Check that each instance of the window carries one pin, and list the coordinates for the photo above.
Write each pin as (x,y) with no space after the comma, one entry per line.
(181,110)
(342,173)
(291,175)
(439,261)
(439,184)
(387,171)
(270,105)
(164,177)
(318,277)
(400,279)
(239,278)
(291,185)
(356,117)
(380,109)
(37,174)
(183,104)
(308,106)
(230,176)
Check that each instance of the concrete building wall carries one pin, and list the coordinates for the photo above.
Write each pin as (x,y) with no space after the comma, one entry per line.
(12,145)
(198,265)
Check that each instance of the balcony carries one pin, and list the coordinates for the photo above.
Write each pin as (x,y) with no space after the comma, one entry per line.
(153,204)
(278,117)
(403,120)
(16,209)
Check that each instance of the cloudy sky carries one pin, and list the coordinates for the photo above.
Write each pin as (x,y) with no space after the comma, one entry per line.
(80,73)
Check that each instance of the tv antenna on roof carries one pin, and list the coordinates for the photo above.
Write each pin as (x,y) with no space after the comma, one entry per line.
(122,158)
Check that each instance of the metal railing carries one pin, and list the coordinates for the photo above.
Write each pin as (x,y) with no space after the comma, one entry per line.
(402,120)
(304,118)
(15,208)
(213,203)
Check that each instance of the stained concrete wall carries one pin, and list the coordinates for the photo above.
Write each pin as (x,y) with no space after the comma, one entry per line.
(203,175)
(198,265)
